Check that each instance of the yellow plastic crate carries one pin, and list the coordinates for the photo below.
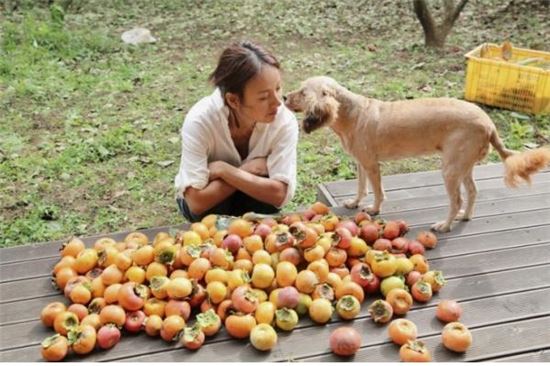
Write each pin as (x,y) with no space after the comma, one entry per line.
(508,84)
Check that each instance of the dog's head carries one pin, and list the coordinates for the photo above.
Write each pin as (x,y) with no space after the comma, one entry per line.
(316,99)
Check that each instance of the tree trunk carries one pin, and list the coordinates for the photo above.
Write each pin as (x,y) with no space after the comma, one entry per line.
(434,34)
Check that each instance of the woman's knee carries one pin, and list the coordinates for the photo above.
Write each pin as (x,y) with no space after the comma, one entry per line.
(186,211)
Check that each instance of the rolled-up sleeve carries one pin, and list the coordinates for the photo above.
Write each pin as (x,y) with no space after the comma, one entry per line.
(193,170)
(281,163)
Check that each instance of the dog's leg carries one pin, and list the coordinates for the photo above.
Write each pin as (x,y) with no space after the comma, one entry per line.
(362,189)
(375,179)
(452,184)
(471,191)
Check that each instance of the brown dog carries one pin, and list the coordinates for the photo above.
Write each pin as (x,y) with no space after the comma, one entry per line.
(372,131)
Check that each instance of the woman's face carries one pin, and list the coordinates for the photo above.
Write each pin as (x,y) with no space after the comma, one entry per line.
(262,96)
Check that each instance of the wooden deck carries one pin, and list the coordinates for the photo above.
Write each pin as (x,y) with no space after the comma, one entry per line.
(497,266)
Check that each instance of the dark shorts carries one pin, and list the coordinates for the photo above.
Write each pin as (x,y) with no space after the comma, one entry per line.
(235,205)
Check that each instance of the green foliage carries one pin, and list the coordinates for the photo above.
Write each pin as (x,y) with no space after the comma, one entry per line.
(89,127)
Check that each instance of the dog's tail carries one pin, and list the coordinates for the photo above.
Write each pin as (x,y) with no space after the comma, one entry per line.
(520,166)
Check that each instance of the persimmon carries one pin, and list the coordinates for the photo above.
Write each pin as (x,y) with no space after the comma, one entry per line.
(456,337)
(50,311)
(415,351)
(344,341)
(72,247)
(402,330)
(54,348)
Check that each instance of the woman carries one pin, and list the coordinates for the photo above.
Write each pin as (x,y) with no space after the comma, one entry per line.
(239,143)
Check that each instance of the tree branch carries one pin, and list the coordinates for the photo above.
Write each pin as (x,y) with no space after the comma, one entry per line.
(452,16)
(424,16)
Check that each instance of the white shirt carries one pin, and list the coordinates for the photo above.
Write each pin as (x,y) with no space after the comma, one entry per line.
(206,138)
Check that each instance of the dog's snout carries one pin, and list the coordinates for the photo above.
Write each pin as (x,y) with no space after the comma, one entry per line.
(284,98)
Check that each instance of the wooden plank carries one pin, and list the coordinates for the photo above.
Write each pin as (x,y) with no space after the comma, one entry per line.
(499,223)
(456,246)
(433,196)
(26,289)
(27,270)
(51,248)
(417,179)
(537,356)
(460,289)
(310,341)
(489,342)
(411,181)
(394,204)
(323,195)
(428,216)
(500,260)
(26,310)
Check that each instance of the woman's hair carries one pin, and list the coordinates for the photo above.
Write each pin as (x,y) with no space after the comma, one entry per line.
(239,63)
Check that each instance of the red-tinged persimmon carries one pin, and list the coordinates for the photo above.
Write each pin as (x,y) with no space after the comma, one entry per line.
(244,300)
(427,238)
(134,321)
(107,336)
(345,341)
(448,311)
(132,296)
(193,337)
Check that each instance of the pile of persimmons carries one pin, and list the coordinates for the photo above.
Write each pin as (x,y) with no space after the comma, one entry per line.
(252,274)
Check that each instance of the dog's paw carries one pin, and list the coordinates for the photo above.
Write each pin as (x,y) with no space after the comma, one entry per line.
(351,203)
(441,227)
(462,216)
(371,210)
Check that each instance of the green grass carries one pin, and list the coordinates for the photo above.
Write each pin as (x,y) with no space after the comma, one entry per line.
(89,127)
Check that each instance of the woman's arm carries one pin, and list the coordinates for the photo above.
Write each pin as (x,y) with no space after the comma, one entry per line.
(200,200)
(264,189)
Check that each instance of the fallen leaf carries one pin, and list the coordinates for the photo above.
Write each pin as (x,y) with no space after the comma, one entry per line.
(531,145)
(165,163)
(425,88)
(520,116)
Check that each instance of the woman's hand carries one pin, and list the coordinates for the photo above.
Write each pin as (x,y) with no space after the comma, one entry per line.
(217,169)
(256,166)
